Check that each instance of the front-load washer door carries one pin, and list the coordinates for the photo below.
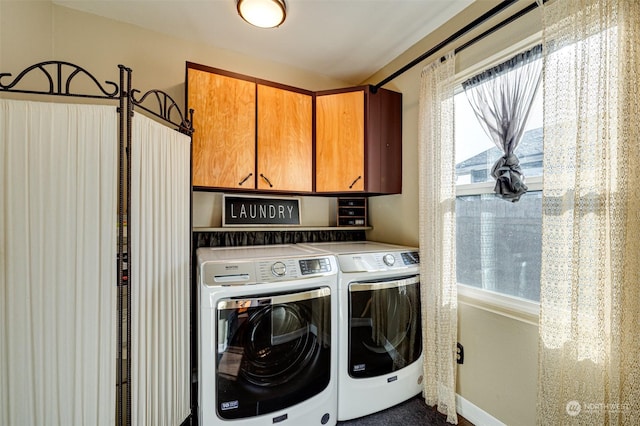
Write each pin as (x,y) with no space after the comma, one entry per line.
(272,351)
(384,325)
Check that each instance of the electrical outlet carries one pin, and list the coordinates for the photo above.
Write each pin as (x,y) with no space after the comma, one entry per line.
(460,354)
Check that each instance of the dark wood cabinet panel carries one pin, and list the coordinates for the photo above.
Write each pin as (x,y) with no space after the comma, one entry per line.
(384,143)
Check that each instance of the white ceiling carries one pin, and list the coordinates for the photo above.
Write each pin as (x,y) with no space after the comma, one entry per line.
(344,39)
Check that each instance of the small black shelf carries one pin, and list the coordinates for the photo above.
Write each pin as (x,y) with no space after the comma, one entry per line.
(352,212)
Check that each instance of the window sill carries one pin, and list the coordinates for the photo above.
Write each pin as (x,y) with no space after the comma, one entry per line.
(508,306)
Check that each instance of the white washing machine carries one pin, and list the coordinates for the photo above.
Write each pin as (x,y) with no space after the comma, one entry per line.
(267,330)
(380,338)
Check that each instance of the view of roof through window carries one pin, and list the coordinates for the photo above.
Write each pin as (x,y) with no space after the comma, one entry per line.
(476,153)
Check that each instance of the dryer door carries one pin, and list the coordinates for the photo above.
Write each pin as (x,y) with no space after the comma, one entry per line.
(273,351)
(385,321)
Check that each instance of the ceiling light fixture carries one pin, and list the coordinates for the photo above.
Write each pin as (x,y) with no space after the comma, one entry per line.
(262,13)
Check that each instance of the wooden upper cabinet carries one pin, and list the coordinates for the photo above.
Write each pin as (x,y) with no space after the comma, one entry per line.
(224,123)
(285,140)
(340,141)
(255,135)
(359,141)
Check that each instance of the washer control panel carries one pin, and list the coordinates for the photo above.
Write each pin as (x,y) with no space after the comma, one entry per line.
(288,269)
(315,266)
(266,271)
(279,269)
(389,259)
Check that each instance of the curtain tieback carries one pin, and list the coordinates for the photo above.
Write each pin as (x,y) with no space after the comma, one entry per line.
(509,178)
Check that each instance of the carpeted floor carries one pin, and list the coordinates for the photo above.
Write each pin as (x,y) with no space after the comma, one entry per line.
(413,412)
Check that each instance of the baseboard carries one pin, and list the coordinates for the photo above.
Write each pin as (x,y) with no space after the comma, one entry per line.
(475,414)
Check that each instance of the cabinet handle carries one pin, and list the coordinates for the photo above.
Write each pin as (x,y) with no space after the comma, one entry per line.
(266,180)
(354,182)
(245,179)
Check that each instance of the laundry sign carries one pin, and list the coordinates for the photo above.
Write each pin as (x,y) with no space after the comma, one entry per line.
(256,211)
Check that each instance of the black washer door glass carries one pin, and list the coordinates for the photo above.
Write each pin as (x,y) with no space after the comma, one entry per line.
(273,351)
(385,321)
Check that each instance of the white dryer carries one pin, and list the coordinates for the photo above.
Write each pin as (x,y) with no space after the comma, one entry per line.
(380,339)
(266,336)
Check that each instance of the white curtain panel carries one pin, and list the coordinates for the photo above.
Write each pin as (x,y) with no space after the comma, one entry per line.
(58,185)
(437,201)
(159,250)
(589,348)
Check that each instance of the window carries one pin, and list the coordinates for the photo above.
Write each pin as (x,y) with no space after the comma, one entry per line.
(498,242)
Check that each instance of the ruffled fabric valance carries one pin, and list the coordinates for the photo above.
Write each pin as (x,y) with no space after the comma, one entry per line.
(254,238)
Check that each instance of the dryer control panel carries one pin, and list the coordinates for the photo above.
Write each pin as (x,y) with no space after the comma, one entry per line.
(378,261)
(411,258)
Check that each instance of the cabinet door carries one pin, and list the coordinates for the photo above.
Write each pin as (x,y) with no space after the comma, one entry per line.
(224,122)
(285,140)
(340,142)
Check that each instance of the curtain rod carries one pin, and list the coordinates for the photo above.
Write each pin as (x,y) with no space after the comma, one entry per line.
(483,18)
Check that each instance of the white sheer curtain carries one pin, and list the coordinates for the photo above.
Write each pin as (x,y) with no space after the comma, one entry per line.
(159,250)
(589,349)
(437,200)
(58,184)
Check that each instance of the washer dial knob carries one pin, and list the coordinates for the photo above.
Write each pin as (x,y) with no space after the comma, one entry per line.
(279,269)
(389,259)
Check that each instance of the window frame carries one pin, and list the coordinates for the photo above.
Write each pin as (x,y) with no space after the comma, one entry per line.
(502,304)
